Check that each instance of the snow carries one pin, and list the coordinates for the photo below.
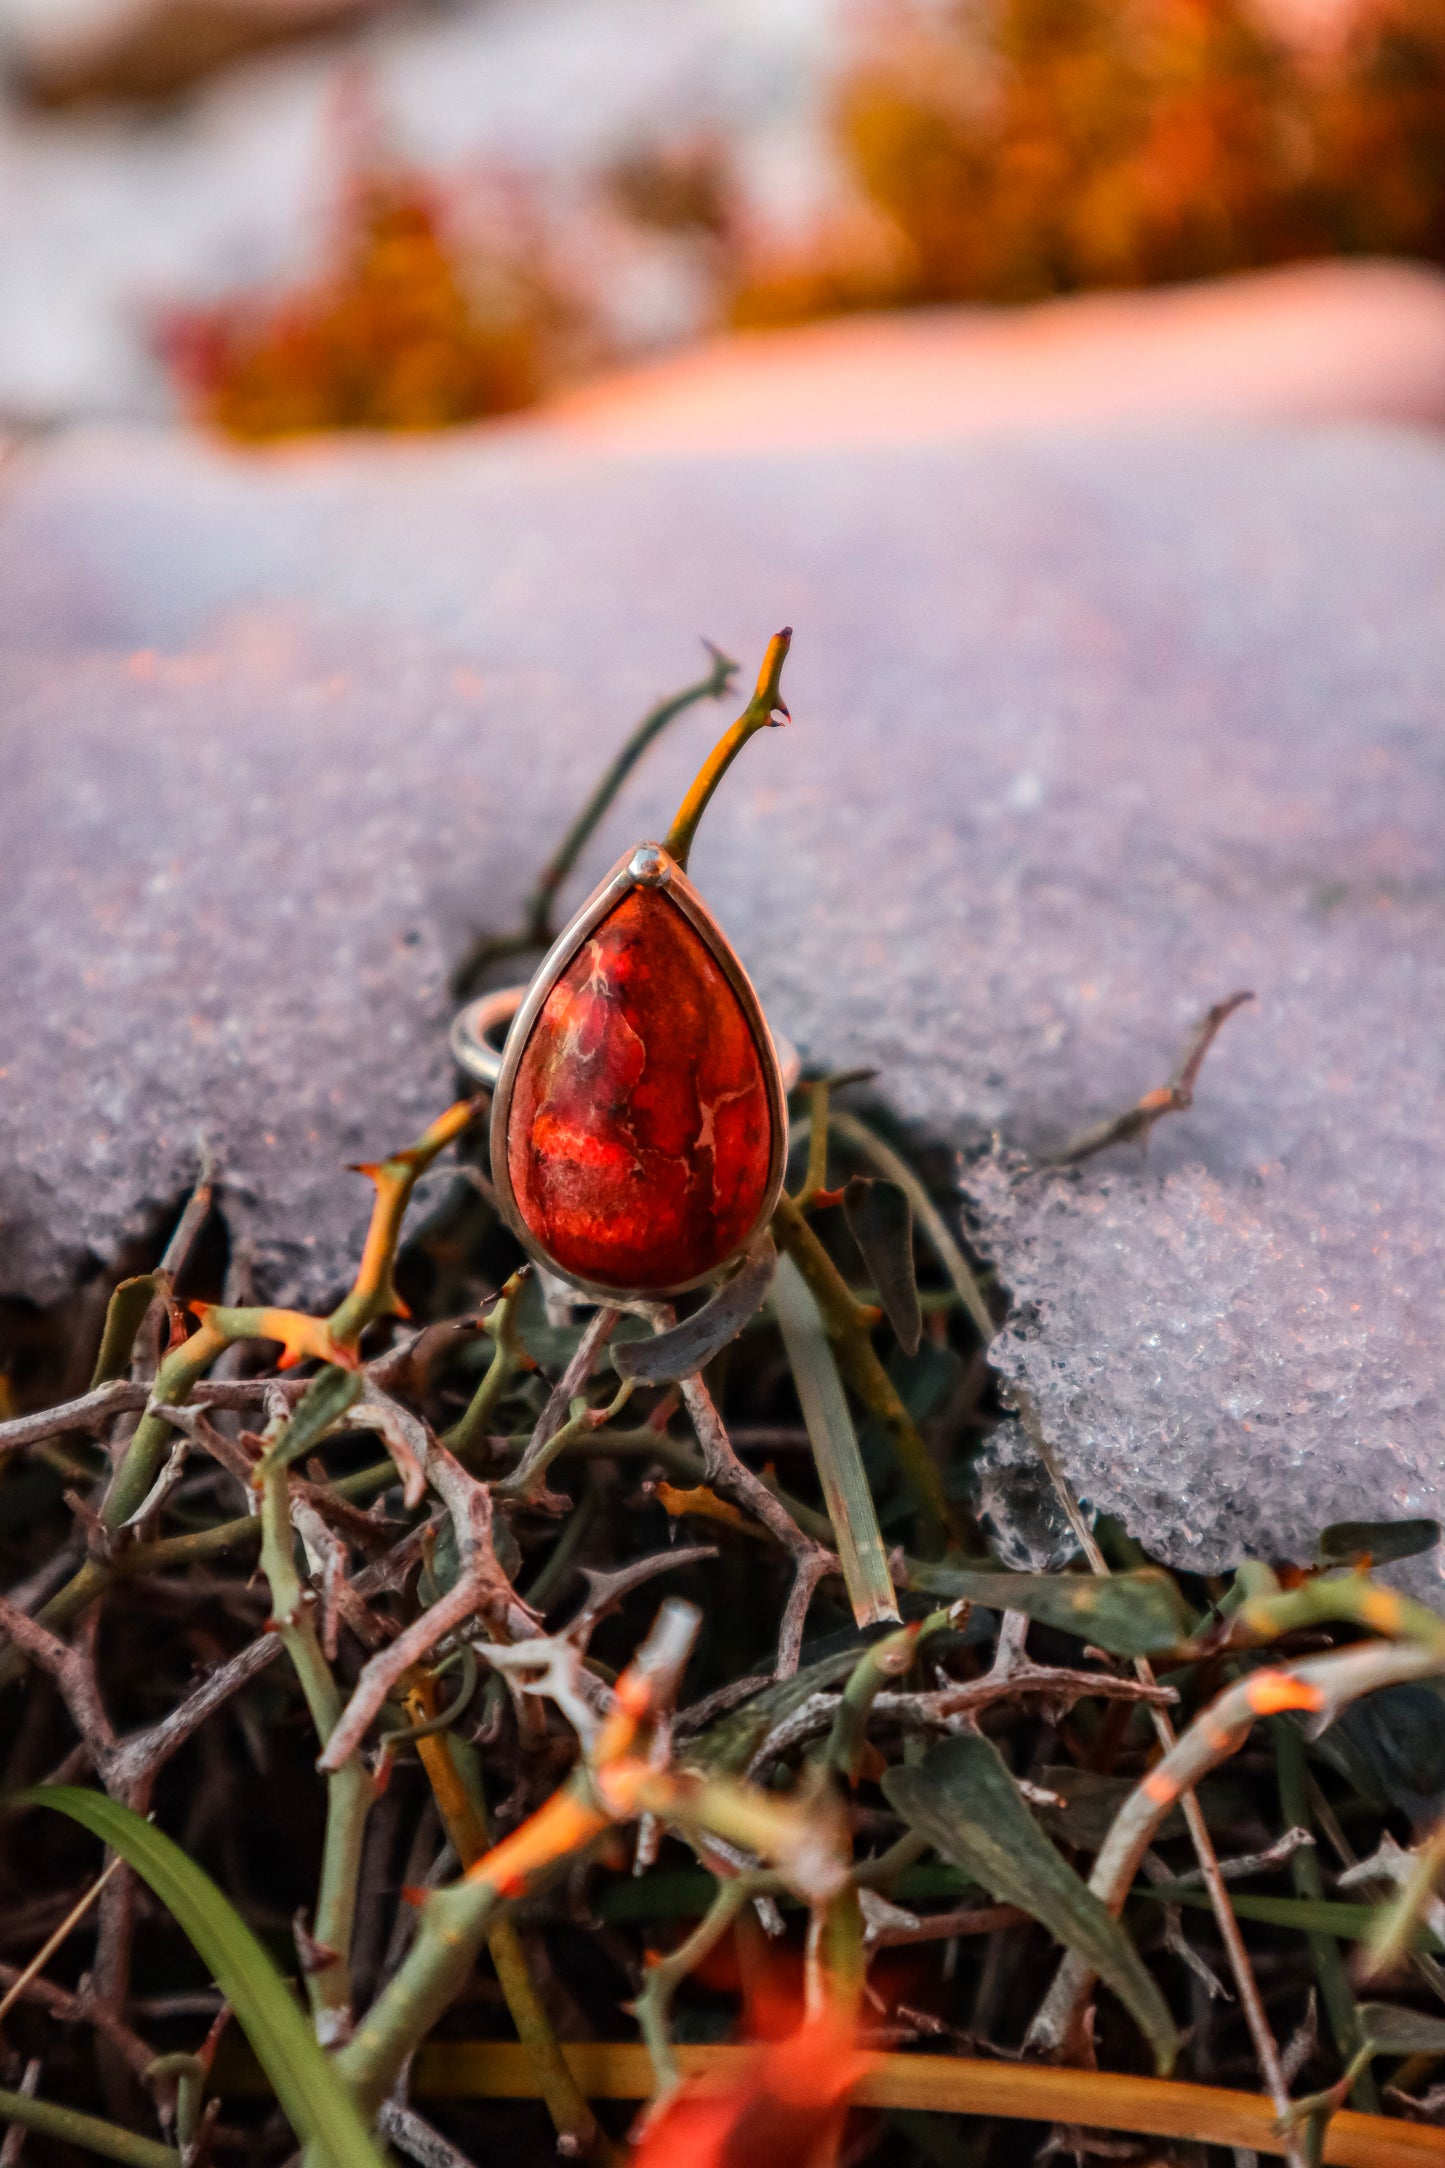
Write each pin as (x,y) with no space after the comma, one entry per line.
(1090,730)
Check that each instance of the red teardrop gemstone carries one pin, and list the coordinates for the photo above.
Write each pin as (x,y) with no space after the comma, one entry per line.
(639,1138)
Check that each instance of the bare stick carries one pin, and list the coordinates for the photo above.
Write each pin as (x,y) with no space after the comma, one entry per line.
(411,2134)
(49,1947)
(73,1673)
(188,1226)
(726,1474)
(719,681)
(559,1401)
(480,1587)
(150,1750)
(952,1708)
(122,1396)
(1171,1098)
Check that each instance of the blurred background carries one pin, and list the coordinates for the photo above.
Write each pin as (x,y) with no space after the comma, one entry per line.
(716,217)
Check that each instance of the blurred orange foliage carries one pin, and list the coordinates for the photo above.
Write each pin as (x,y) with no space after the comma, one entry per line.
(404,332)
(786,2110)
(1012,149)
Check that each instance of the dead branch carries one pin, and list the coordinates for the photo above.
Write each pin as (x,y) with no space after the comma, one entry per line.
(81,2006)
(1171,1098)
(74,1674)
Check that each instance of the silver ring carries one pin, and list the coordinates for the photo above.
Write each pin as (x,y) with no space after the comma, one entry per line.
(479,1052)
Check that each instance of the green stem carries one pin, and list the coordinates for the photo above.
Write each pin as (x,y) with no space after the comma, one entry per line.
(815,1177)
(456,1785)
(841,1965)
(89,2131)
(1396,1922)
(450,1931)
(528,1480)
(536,931)
(150,1442)
(189,2074)
(125,1313)
(349,1790)
(653,2007)
(1349,1596)
(766,703)
(719,680)
(541,1590)
(1335,1990)
(886,1660)
(471,1430)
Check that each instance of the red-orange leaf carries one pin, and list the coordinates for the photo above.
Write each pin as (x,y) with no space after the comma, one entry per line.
(783,2109)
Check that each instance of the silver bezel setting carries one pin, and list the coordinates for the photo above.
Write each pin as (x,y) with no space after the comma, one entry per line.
(646,865)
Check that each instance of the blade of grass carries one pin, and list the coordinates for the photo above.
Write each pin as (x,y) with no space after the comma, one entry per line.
(958,2085)
(1334,1981)
(316,2102)
(1309,1915)
(834,1440)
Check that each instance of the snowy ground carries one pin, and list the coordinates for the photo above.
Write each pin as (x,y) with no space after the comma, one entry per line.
(1091,729)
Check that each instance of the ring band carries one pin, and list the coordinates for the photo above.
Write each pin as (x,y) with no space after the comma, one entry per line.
(476,1050)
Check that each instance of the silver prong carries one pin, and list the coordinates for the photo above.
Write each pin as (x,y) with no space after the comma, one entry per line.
(473,1046)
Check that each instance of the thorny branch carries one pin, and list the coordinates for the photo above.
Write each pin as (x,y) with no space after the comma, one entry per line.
(433,1624)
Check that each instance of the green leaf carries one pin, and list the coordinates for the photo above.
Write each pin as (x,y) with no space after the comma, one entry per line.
(690,1346)
(1343,1542)
(881,1220)
(963,1800)
(1393,2031)
(1129,1614)
(1391,1746)
(318,2106)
